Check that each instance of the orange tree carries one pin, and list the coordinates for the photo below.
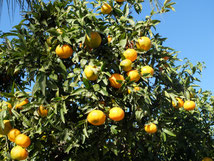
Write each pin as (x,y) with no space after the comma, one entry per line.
(64,87)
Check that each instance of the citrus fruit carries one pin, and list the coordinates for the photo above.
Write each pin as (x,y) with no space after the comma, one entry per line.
(64,51)
(144,43)
(12,134)
(94,40)
(96,117)
(180,103)
(42,111)
(150,128)
(90,72)
(147,70)
(189,105)
(134,75)
(113,80)
(18,153)
(9,105)
(207,159)
(135,89)
(120,1)
(116,113)
(109,38)
(22,140)
(126,64)
(166,58)
(19,105)
(130,54)
(106,8)
(7,127)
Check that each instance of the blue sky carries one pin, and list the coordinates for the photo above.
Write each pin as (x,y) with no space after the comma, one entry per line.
(190,30)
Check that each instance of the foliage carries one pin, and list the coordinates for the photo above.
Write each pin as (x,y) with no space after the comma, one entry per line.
(28,63)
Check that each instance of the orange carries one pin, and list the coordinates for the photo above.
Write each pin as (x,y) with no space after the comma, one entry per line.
(106,8)
(96,117)
(120,0)
(189,105)
(113,80)
(180,103)
(144,43)
(166,58)
(94,40)
(9,105)
(109,38)
(116,113)
(90,73)
(42,111)
(22,140)
(64,51)
(19,153)
(207,159)
(150,128)
(126,65)
(135,89)
(12,134)
(134,75)
(7,127)
(147,70)
(19,106)
(130,54)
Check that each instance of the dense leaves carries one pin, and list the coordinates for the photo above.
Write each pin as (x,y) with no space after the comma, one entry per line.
(30,68)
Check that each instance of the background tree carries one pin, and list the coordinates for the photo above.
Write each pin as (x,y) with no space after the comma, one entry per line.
(62,62)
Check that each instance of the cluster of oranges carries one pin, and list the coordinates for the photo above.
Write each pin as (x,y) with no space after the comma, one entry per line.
(22,141)
(188,105)
(98,117)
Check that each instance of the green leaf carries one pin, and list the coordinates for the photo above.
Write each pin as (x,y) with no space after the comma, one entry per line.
(169,132)
(62,115)
(78,91)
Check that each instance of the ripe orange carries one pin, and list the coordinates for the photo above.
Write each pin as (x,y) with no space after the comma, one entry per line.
(7,127)
(120,0)
(180,103)
(135,89)
(96,117)
(89,73)
(106,8)
(22,140)
(113,80)
(64,51)
(94,40)
(19,153)
(130,54)
(116,113)
(166,58)
(189,105)
(42,111)
(134,75)
(9,105)
(144,43)
(19,106)
(150,128)
(126,64)
(147,70)
(109,38)
(12,134)
(207,159)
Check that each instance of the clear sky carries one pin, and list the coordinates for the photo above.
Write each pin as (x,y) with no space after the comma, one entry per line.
(190,30)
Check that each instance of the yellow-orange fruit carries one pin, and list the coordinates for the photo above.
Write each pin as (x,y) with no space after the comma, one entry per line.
(151,128)
(144,43)
(130,54)
(189,105)
(116,113)
(12,134)
(134,75)
(147,70)
(64,51)
(180,103)
(96,117)
(18,153)
(22,140)
(113,80)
